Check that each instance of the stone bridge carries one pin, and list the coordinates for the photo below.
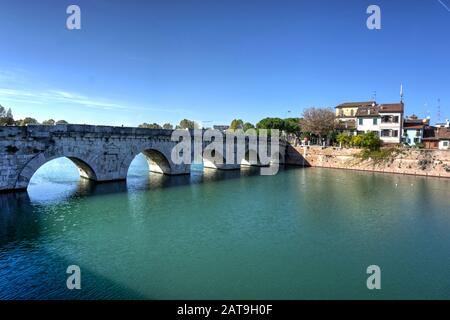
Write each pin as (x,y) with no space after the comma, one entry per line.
(101,153)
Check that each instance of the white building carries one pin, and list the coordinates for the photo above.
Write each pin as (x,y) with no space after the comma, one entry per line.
(391,124)
(386,120)
(367,119)
(444,144)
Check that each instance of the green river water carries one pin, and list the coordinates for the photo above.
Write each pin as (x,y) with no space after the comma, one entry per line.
(301,234)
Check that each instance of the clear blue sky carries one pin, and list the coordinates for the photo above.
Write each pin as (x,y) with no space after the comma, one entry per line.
(215,60)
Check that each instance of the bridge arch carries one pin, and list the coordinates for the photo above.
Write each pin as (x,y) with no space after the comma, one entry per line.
(157,159)
(209,160)
(251,158)
(84,164)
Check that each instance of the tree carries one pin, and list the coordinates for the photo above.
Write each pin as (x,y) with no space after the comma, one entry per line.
(167,126)
(188,124)
(292,126)
(28,121)
(236,124)
(9,114)
(61,122)
(318,121)
(2,112)
(6,117)
(248,126)
(271,123)
(150,125)
(49,122)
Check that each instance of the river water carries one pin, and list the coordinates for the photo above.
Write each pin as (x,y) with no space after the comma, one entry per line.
(302,234)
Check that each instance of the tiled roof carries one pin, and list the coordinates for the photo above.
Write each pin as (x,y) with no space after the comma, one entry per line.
(356,104)
(374,111)
(391,107)
(433,133)
(443,133)
(413,126)
(367,111)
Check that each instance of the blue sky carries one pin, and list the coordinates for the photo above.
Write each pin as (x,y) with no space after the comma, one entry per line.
(215,60)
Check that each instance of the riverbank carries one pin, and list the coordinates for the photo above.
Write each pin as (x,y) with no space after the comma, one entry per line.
(420,162)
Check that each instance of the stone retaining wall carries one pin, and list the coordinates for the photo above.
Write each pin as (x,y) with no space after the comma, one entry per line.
(435,163)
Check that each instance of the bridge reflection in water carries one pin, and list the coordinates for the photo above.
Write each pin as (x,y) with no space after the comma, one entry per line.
(59,180)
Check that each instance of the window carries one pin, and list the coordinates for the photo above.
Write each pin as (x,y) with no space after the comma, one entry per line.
(390,133)
(375,121)
(360,121)
(445,143)
(352,112)
(386,119)
(390,119)
(385,133)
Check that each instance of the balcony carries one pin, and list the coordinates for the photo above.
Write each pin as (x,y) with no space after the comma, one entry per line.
(390,120)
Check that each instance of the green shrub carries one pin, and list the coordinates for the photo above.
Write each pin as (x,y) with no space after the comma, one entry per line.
(344,139)
(379,156)
(371,141)
(357,141)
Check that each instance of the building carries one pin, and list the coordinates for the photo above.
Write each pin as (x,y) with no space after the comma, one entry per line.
(443,125)
(391,122)
(348,126)
(386,120)
(414,129)
(347,111)
(221,127)
(437,137)
(368,119)
(346,115)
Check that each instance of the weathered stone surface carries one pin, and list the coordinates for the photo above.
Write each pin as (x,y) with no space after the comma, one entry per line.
(101,153)
(434,163)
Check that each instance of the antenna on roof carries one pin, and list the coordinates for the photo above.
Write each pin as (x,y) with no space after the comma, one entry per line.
(401,93)
(439,110)
(374,95)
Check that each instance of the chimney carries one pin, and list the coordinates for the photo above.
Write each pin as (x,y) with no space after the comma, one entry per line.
(447,123)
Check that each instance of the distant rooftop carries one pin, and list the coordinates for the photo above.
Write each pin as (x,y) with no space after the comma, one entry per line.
(391,107)
(432,133)
(369,111)
(374,111)
(356,104)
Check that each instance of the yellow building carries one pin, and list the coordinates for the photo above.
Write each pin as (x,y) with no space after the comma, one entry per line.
(347,110)
(346,115)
